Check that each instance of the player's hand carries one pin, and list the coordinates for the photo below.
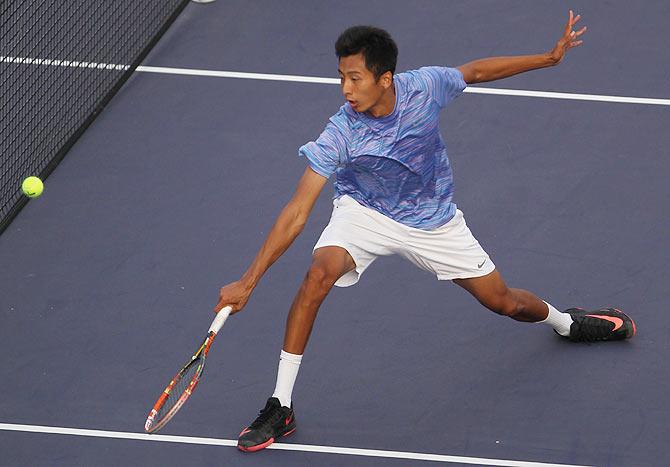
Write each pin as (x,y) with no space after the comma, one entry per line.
(236,294)
(568,40)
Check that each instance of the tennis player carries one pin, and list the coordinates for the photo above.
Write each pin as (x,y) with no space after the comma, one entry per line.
(394,196)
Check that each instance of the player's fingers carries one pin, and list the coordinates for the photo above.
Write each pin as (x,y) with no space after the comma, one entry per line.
(580,32)
(576,43)
(236,304)
(568,27)
(577,18)
(221,303)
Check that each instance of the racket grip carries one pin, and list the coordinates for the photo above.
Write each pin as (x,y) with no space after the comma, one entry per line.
(220,318)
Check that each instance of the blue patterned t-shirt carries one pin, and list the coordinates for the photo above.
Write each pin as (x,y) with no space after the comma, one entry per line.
(397,164)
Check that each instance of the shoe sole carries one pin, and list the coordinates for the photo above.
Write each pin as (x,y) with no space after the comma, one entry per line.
(258,447)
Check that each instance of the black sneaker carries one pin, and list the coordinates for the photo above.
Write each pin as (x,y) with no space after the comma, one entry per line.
(273,422)
(605,324)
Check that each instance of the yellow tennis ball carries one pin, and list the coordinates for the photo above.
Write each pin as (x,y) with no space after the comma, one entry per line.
(32,187)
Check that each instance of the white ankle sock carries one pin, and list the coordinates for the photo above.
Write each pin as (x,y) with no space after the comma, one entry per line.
(559,321)
(289,364)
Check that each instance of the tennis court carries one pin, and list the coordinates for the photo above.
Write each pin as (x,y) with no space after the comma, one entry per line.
(108,279)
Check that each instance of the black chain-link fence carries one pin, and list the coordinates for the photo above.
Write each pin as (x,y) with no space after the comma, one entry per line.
(60,63)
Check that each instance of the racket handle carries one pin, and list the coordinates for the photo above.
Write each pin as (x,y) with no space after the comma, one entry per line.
(221,318)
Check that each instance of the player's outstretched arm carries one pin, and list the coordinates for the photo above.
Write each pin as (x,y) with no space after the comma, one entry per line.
(490,69)
(287,227)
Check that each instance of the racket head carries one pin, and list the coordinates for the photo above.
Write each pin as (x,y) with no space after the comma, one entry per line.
(180,388)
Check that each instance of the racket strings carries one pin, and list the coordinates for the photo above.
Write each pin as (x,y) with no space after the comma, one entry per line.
(178,389)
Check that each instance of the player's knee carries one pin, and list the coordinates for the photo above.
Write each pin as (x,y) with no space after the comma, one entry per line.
(321,278)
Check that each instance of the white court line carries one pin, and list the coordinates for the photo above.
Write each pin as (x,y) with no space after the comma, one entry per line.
(237,74)
(473,90)
(319,80)
(280,446)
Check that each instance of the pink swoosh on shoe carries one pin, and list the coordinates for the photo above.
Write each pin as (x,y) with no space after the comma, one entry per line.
(618,322)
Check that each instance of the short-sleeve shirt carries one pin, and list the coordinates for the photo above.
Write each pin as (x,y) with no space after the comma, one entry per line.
(397,164)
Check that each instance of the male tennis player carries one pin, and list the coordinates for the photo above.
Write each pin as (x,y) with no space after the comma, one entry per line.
(394,195)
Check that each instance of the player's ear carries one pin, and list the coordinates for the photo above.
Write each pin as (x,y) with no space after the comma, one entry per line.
(386,79)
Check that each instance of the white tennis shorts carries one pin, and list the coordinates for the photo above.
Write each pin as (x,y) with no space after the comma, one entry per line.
(449,252)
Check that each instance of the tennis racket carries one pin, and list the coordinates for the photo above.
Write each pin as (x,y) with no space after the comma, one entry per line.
(182,386)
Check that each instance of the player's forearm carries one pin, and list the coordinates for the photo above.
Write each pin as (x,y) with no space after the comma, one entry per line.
(490,69)
(287,227)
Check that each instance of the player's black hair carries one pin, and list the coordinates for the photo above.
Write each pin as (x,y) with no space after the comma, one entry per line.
(377,46)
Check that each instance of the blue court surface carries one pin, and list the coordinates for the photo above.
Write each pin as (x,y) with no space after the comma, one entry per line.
(107,281)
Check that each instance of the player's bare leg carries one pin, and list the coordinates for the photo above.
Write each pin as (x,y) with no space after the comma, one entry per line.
(492,292)
(579,325)
(328,265)
(277,419)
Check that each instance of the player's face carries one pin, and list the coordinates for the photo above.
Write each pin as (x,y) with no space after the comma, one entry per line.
(360,88)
